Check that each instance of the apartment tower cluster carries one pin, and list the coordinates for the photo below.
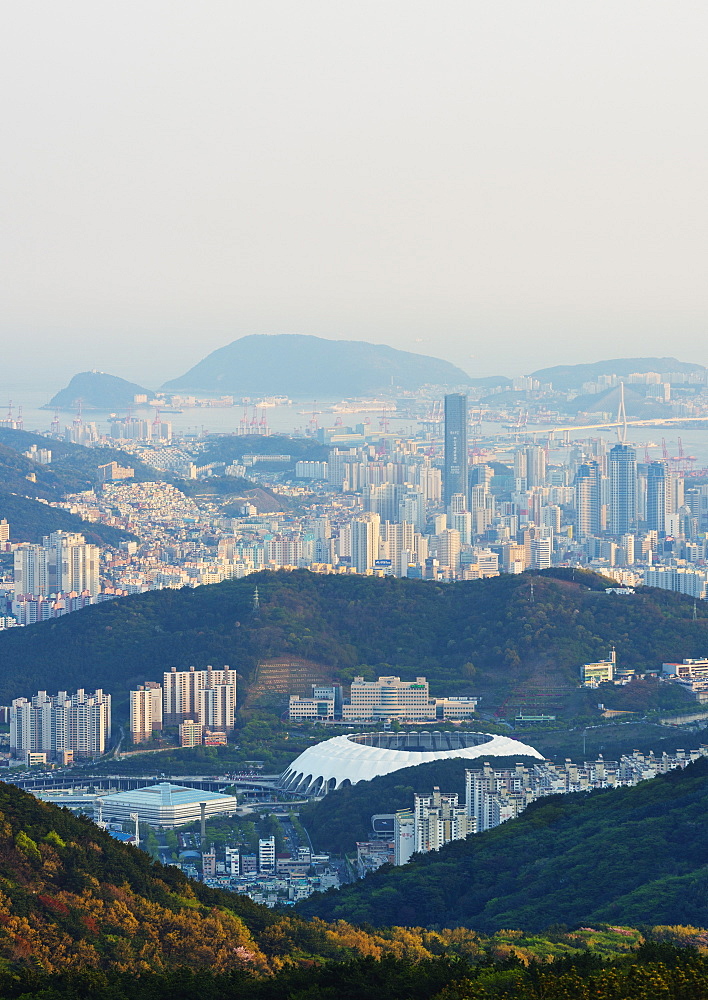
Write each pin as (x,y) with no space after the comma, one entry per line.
(200,702)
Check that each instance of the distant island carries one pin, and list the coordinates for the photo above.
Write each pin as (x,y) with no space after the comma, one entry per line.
(97,391)
(304,366)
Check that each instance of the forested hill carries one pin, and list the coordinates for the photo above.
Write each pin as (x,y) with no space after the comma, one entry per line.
(631,855)
(30,520)
(77,907)
(485,637)
(73,467)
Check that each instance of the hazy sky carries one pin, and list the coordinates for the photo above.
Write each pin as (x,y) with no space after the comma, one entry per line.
(504,184)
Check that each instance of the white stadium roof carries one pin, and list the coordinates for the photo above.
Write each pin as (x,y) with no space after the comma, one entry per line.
(360,757)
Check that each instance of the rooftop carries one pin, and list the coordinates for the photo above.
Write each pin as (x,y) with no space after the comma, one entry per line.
(164,794)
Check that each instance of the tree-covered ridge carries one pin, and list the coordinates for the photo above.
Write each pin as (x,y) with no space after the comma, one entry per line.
(656,970)
(30,520)
(73,467)
(629,855)
(72,898)
(484,637)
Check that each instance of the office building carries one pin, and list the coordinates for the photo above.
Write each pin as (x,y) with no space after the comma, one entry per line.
(455,472)
(388,699)
(623,489)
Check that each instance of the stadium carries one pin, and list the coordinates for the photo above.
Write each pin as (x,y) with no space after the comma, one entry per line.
(346,760)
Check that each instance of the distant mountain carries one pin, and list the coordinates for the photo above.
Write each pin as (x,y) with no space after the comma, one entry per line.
(565,377)
(629,855)
(97,391)
(637,404)
(303,366)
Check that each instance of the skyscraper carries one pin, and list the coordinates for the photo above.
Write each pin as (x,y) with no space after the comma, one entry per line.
(623,489)
(656,497)
(456,460)
(588,500)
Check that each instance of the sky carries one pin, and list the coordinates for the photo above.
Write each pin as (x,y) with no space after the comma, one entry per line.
(506,184)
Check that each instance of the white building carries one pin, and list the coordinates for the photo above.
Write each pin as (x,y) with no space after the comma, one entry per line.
(166,805)
(63,563)
(403,836)
(60,726)
(181,696)
(266,854)
(389,698)
(439,819)
(145,711)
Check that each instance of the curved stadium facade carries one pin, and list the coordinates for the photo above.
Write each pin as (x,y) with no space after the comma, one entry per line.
(352,758)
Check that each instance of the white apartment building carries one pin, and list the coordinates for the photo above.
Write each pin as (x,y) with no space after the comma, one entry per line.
(145,711)
(439,819)
(60,726)
(216,709)
(403,836)
(389,698)
(62,564)
(181,696)
(266,854)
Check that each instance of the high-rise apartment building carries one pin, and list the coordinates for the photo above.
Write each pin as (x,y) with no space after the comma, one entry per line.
(455,473)
(439,819)
(60,726)
(588,500)
(217,707)
(365,533)
(63,563)
(145,711)
(623,489)
(181,689)
(535,466)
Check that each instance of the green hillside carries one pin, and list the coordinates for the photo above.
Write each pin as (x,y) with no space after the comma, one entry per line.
(72,899)
(484,637)
(83,916)
(632,855)
(73,468)
(30,520)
